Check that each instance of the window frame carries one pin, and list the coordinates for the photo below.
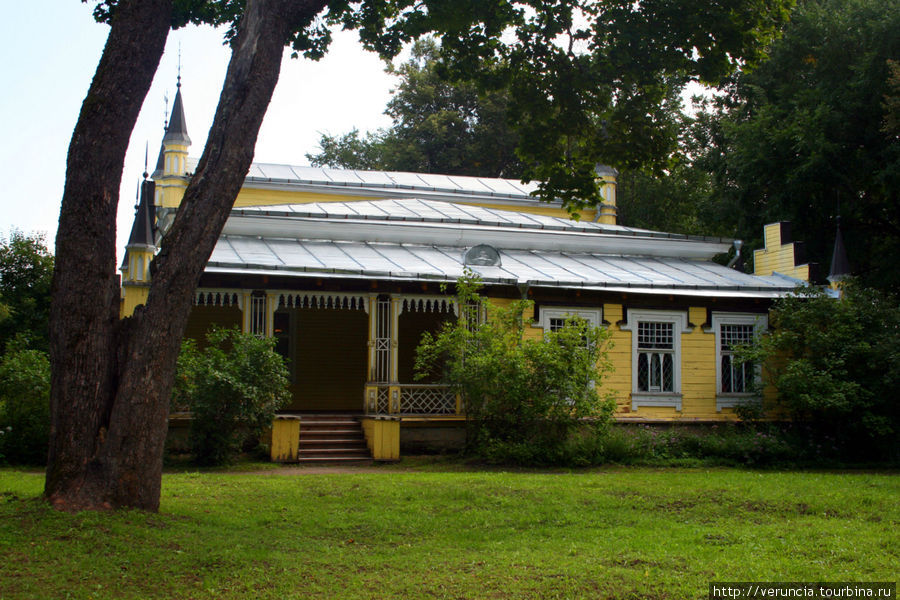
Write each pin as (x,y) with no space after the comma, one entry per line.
(594,316)
(760,322)
(680,324)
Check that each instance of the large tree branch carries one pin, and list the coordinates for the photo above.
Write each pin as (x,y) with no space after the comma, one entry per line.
(133,450)
(84,309)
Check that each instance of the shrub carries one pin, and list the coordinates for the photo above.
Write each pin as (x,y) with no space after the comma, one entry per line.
(523,397)
(233,388)
(836,366)
(24,405)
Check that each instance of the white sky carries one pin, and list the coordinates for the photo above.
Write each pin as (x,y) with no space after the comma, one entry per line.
(50,50)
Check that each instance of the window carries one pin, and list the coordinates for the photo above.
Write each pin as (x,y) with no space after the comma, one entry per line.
(656,357)
(553,319)
(735,381)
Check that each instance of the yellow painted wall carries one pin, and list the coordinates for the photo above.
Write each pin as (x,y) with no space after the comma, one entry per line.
(619,354)
(132,297)
(698,369)
(249,196)
(777,256)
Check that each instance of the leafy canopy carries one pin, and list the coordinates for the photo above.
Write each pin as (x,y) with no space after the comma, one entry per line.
(810,133)
(24,405)
(588,80)
(438,127)
(26,271)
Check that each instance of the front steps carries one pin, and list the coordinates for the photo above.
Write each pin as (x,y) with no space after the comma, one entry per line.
(332,439)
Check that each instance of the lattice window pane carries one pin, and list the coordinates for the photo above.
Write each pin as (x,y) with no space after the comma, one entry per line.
(735,335)
(736,377)
(727,384)
(643,372)
(557,323)
(656,335)
(668,373)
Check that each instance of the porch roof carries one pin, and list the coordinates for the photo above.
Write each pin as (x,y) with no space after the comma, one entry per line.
(237,254)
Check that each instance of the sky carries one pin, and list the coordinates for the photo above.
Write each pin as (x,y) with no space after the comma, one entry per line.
(51,49)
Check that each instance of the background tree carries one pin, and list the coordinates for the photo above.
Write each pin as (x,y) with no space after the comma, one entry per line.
(808,133)
(570,65)
(438,127)
(26,271)
(24,404)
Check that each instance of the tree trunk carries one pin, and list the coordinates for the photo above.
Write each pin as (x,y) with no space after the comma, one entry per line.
(121,463)
(84,313)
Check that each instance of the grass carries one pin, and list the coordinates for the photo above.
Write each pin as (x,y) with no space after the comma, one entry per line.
(443,530)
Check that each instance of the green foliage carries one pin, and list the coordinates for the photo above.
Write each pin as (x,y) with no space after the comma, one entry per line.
(232,388)
(585,82)
(725,444)
(836,366)
(438,127)
(24,405)
(523,396)
(26,272)
(809,133)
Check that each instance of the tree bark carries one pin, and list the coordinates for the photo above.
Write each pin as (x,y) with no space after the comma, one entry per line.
(84,323)
(119,461)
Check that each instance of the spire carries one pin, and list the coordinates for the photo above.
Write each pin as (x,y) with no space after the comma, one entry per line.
(177,128)
(840,264)
(142,229)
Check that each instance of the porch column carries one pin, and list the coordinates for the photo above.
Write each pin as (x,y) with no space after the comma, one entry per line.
(258,316)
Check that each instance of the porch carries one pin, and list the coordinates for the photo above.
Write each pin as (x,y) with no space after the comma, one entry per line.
(345,351)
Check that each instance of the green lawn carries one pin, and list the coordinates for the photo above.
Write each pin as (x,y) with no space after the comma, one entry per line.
(444,531)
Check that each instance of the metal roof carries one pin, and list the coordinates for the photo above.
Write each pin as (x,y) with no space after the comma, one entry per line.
(373,260)
(177,128)
(435,211)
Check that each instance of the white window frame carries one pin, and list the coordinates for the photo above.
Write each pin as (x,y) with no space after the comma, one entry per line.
(591,315)
(679,320)
(760,324)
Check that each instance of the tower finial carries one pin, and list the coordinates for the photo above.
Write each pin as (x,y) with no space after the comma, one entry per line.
(146,155)
(166,111)
(179,65)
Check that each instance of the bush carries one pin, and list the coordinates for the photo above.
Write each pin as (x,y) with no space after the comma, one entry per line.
(836,366)
(24,405)
(524,398)
(232,388)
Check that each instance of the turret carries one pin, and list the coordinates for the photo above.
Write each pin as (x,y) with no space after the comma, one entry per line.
(139,252)
(171,174)
(840,264)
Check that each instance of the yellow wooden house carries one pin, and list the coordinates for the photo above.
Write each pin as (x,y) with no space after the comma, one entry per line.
(344,269)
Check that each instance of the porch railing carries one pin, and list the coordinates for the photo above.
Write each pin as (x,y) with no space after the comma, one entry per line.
(412,399)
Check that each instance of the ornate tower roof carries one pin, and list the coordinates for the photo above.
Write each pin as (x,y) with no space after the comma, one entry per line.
(177,129)
(840,264)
